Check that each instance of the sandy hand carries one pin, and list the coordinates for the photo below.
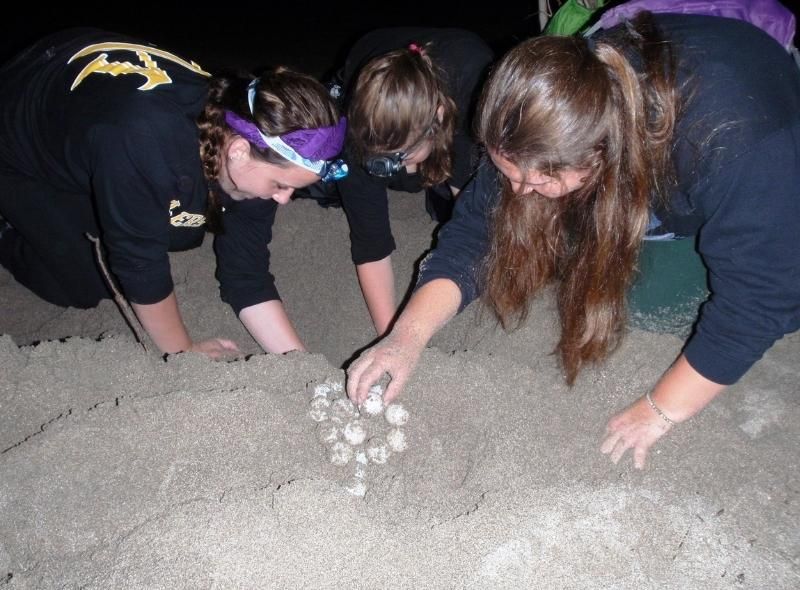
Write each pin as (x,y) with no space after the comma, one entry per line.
(217,348)
(638,427)
(388,356)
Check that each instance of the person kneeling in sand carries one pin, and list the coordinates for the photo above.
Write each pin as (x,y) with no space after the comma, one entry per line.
(410,94)
(106,135)
(667,126)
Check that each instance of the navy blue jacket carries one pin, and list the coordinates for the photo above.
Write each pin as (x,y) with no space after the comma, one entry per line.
(737,159)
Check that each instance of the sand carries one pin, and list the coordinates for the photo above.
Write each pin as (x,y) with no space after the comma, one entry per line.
(120,469)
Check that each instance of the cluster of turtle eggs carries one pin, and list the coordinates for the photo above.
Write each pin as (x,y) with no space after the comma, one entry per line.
(356,434)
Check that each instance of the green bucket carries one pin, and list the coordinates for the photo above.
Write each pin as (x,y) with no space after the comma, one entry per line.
(671,286)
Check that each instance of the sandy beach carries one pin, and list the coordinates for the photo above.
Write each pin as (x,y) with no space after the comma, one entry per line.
(119,469)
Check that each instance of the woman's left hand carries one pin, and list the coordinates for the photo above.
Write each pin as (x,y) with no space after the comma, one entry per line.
(637,428)
(679,394)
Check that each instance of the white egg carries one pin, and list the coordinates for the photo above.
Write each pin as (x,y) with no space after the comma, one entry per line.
(396,414)
(377,451)
(373,405)
(321,390)
(344,408)
(396,439)
(354,432)
(340,453)
(356,487)
(328,433)
(320,409)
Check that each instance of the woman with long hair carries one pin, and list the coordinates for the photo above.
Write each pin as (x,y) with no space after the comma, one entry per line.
(667,126)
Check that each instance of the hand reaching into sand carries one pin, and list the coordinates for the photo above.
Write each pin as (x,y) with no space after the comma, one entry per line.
(637,428)
(216,348)
(391,356)
(398,354)
(680,394)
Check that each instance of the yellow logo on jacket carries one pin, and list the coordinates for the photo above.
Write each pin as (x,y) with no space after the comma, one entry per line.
(148,66)
(184,219)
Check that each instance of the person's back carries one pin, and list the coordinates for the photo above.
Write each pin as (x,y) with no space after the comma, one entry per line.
(107,80)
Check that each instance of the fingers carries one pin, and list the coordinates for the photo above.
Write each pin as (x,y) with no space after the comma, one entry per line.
(622,445)
(354,375)
(396,385)
(618,445)
(640,456)
(609,442)
(371,374)
(636,428)
(228,344)
(217,348)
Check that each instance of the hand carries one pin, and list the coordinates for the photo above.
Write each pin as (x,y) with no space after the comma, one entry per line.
(216,348)
(637,428)
(388,356)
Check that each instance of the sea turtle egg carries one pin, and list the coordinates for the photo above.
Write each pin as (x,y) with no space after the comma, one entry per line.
(322,390)
(328,433)
(354,432)
(340,453)
(396,414)
(344,408)
(320,409)
(373,405)
(377,451)
(396,439)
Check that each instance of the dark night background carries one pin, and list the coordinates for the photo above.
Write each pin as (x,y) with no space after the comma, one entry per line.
(310,36)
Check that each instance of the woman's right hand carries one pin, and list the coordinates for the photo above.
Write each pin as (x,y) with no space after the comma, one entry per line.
(216,348)
(429,308)
(391,356)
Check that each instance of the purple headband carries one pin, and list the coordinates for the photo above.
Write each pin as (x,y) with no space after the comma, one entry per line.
(321,143)
(246,129)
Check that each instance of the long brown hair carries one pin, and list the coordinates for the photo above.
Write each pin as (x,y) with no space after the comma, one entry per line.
(555,103)
(285,101)
(395,102)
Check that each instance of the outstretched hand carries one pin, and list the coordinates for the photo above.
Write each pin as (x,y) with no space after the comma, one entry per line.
(388,356)
(216,348)
(680,393)
(638,427)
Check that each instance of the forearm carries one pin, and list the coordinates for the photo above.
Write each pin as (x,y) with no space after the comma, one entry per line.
(163,323)
(397,354)
(377,285)
(269,325)
(682,392)
(430,308)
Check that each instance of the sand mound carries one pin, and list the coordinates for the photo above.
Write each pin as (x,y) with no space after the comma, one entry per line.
(119,469)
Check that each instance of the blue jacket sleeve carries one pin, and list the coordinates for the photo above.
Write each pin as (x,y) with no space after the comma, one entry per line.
(464,240)
(750,245)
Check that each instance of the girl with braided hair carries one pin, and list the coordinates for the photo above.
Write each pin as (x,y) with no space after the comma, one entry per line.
(110,136)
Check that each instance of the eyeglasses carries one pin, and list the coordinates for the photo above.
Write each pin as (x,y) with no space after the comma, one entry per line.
(333,170)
